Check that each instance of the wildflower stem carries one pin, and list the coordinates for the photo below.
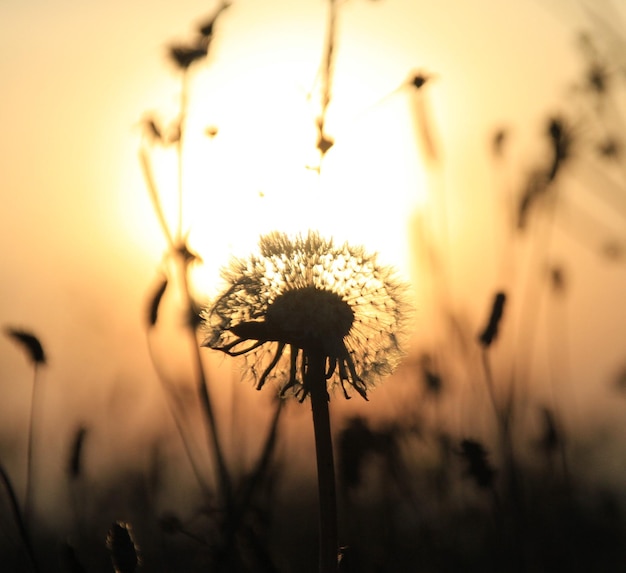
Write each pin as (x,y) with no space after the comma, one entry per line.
(315,381)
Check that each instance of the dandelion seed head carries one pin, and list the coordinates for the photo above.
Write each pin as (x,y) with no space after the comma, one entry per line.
(306,295)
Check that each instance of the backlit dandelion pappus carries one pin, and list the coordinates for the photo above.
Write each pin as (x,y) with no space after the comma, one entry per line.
(303,300)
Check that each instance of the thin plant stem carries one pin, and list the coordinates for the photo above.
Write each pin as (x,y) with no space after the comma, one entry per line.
(154,195)
(490,385)
(179,150)
(19,519)
(174,406)
(28,496)
(327,63)
(245,496)
(223,478)
(315,381)
(325,76)
(532,294)
(503,411)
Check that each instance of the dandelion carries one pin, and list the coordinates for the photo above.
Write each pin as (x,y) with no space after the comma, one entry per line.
(305,297)
(313,316)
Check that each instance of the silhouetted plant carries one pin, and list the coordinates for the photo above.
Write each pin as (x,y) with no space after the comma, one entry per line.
(312,316)
(30,343)
(155,302)
(294,326)
(37,357)
(184,56)
(237,495)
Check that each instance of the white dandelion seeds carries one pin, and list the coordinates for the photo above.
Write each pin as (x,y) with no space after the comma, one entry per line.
(304,297)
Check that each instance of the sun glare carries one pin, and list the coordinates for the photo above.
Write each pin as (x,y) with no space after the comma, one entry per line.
(261,171)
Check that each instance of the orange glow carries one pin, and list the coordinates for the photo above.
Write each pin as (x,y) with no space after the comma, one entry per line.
(258,173)
(82,244)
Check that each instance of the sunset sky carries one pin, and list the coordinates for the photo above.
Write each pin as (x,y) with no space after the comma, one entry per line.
(82,246)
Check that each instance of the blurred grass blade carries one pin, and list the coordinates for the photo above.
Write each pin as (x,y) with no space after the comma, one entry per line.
(490,333)
(30,343)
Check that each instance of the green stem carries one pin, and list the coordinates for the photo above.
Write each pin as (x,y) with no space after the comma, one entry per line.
(315,382)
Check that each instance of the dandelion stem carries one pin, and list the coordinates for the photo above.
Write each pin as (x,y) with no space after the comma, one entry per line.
(315,381)
(490,385)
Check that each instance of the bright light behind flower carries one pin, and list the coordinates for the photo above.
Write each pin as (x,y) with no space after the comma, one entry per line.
(257,174)
(306,296)
(253,178)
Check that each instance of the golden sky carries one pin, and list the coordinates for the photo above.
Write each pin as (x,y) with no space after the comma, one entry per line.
(81,245)
(77,79)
